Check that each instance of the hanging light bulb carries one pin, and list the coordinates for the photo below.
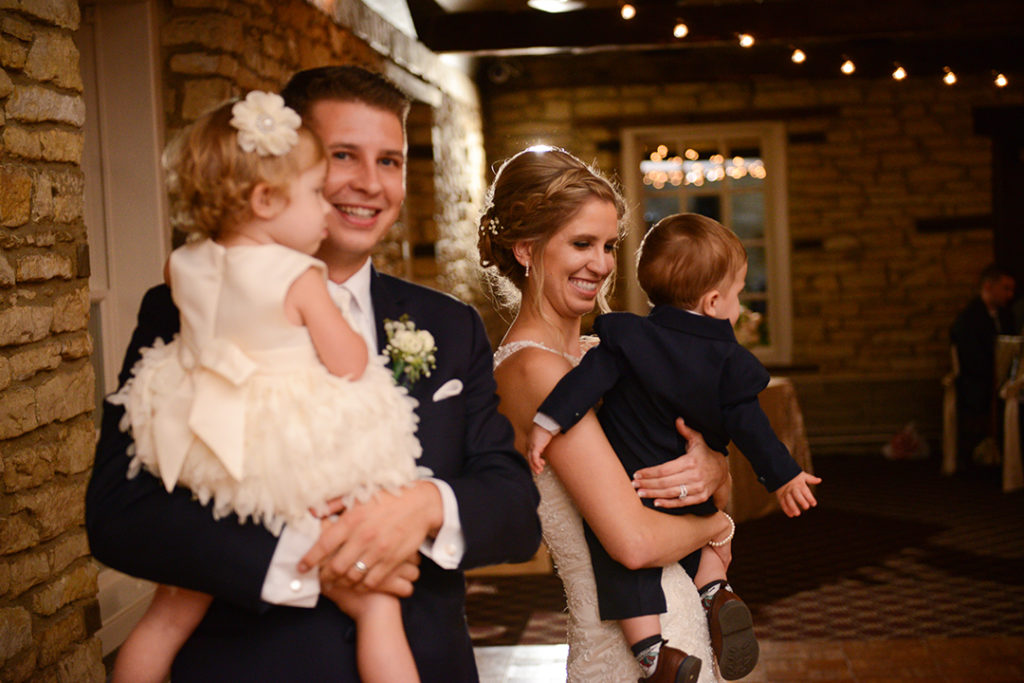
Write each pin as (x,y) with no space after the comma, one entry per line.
(746,40)
(848,67)
(899,73)
(798,56)
(1000,80)
(680,30)
(627,11)
(950,77)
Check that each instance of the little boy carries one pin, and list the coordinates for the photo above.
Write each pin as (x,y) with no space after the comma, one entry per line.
(681,360)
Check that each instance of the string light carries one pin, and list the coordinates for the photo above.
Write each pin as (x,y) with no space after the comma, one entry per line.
(899,73)
(746,40)
(627,11)
(950,77)
(848,67)
(681,29)
(798,56)
(1000,80)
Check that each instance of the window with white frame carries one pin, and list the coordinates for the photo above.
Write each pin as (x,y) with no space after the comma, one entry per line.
(735,174)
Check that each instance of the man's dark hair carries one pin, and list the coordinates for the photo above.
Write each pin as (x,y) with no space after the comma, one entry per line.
(346,83)
(993,272)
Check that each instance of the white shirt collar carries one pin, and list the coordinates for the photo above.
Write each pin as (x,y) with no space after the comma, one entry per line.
(359,287)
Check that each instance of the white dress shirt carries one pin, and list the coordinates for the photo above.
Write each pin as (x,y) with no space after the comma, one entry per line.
(284,584)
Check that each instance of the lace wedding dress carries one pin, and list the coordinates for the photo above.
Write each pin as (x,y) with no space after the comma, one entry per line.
(597,649)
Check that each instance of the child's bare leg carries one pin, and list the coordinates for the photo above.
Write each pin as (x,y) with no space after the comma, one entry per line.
(655,658)
(637,628)
(711,568)
(146,656)
(382,651)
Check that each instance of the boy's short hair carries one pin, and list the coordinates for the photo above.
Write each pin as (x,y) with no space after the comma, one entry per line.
(346,83)
(686,255)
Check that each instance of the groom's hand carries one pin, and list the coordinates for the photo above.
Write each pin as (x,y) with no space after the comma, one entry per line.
(701,472)
(399,583)
(369,540)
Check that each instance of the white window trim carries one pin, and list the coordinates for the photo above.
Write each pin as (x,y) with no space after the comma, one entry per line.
(773,139)
(126,215)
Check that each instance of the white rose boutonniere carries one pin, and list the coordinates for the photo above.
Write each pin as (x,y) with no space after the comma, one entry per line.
(411,351)
(264,124)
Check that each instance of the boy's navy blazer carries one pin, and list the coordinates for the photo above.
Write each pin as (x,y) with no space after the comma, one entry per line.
(135,526)
(672,364)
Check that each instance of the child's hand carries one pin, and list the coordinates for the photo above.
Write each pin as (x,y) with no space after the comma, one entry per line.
(795,495)
(536,443)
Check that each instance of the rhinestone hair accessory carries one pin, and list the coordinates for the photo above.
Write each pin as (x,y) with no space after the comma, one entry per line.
(265,124)
(493,225)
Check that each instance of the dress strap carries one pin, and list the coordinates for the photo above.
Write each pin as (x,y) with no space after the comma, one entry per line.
(505,351)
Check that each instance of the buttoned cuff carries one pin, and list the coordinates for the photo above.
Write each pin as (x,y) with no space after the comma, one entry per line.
(542,420)
(284,584)
(448,547)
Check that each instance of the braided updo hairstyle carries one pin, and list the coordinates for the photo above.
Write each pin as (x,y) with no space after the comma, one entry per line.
(534,194)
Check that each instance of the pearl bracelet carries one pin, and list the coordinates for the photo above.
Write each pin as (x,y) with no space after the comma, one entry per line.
(732,532)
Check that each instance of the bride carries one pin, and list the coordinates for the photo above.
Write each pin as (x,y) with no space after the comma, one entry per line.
(547,241)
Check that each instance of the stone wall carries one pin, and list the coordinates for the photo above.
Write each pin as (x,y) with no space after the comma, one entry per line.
(215,50)
(873,296)
(212,50)
(48,588)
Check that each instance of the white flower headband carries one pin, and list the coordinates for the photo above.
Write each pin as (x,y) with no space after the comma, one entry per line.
(265,124)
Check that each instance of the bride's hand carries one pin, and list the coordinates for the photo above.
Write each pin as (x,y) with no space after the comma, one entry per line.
(702,472)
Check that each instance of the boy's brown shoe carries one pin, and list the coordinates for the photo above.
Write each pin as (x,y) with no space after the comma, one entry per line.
(674,666)
(732,635)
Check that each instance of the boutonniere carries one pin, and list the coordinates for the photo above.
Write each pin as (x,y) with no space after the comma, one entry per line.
(411,351)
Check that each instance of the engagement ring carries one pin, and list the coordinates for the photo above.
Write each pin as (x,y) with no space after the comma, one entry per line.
(683,492)
(361,566)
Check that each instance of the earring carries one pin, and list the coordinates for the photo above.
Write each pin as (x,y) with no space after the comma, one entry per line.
(527,270)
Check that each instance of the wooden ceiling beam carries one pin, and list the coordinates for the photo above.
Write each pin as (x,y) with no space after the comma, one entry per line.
(923,59)
(796,21)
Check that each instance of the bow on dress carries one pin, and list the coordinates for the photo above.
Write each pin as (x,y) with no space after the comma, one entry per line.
(217,413)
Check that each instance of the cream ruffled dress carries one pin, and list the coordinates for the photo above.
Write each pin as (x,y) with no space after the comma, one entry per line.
(239,409)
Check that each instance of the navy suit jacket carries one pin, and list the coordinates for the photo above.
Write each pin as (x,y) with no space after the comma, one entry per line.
(671,364)
(136,527)
(974,332)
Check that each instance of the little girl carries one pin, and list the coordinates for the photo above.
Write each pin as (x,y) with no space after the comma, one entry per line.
(267,404)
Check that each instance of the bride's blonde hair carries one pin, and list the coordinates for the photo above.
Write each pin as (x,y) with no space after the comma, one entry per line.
(534,194)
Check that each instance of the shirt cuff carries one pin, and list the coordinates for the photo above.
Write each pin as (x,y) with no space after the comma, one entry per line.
(448,547)
(284,584)
(542,420)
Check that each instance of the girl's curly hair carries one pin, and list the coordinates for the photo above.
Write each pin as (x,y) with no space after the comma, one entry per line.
(210,178)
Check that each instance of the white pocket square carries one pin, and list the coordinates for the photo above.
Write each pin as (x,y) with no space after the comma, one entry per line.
(452,387)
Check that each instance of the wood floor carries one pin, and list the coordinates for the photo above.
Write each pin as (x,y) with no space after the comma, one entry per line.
(899,576)
(924,660)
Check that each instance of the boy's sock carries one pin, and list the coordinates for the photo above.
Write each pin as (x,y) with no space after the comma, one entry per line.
(646,653)
(707,593)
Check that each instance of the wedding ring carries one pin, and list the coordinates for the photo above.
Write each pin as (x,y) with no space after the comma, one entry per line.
(361,567)
(683,492)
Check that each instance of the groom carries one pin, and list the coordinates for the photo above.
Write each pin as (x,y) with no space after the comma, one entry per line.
(269,621)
